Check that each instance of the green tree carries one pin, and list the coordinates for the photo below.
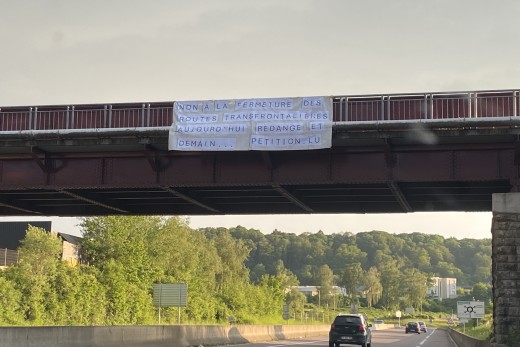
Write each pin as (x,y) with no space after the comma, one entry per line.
(482,265)
(371,242)
(233,288)
(273,290)
(305,275)
(233,254)
(124,240)
(325,280)
(82,295)
(11,311)
(187,256)
(287,278)
(257,272)
(390,280)
(33,276)
(444,269)
(373,287)
(413,288)
(127,303)
(483,292)
(346,254)
(296,301)
(351,278)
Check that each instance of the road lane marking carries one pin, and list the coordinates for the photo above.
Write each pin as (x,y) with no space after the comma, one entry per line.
(426,338)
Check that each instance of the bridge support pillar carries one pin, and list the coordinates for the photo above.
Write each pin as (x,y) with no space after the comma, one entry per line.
(505,232)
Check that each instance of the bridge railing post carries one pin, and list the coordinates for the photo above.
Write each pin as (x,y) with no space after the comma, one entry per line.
(388,115)
(105,114)
(109,116)
(343,105)
(515,103)
(431,106)
(35,123)
(72,115)
(425,106)
(382,111)
(475,105)
(143,114)
(469,99)
(67,120)
(148,115)
(29,126)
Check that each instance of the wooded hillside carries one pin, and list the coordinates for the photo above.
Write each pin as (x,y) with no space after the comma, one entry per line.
(229,272)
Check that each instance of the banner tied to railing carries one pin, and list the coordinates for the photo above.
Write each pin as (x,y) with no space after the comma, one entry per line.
(277,124)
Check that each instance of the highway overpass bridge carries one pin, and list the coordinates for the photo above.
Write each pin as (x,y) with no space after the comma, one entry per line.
(390,153)
(456,151)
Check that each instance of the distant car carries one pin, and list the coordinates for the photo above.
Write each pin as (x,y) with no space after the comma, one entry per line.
(422,326)
(413,327)
(379,321)
(350,329)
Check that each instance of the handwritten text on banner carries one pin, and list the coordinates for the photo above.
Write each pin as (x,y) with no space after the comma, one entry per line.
(252,124)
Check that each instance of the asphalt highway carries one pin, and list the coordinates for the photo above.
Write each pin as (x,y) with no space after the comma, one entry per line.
(386,338)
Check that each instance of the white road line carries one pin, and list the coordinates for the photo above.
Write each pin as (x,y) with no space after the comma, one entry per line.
(426,338)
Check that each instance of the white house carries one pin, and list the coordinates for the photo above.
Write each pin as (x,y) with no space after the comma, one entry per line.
(443,288)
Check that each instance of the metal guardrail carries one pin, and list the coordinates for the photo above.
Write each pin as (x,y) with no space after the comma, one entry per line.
(354,108)
(94,117)
(9,257)
(397,107)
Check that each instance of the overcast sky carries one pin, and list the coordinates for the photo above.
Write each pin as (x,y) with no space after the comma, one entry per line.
(72,52)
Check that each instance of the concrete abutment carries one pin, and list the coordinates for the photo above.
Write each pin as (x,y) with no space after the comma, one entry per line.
(505,231)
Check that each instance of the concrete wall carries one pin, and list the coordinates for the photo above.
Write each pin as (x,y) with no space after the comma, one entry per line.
(383,326)
(463,340)
(152,336)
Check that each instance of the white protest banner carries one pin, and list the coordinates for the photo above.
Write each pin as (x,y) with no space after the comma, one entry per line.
(275,124)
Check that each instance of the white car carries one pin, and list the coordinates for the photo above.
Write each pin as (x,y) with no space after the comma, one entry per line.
(422,326)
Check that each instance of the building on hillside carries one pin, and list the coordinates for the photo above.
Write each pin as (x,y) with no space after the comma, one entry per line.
(12,233)
(362,291)
(70,249)
(443,288)
(310,291)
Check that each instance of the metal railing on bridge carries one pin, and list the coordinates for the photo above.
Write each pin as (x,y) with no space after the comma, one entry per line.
(85,117)
(399,107)
(353,108)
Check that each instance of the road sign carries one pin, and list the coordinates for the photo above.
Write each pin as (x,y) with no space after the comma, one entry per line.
(170,295)
(398,314)
(470,309)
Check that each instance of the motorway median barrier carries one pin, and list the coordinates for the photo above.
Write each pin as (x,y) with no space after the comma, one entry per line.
(153,336)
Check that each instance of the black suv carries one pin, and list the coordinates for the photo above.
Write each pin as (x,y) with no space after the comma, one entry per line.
(350,329)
